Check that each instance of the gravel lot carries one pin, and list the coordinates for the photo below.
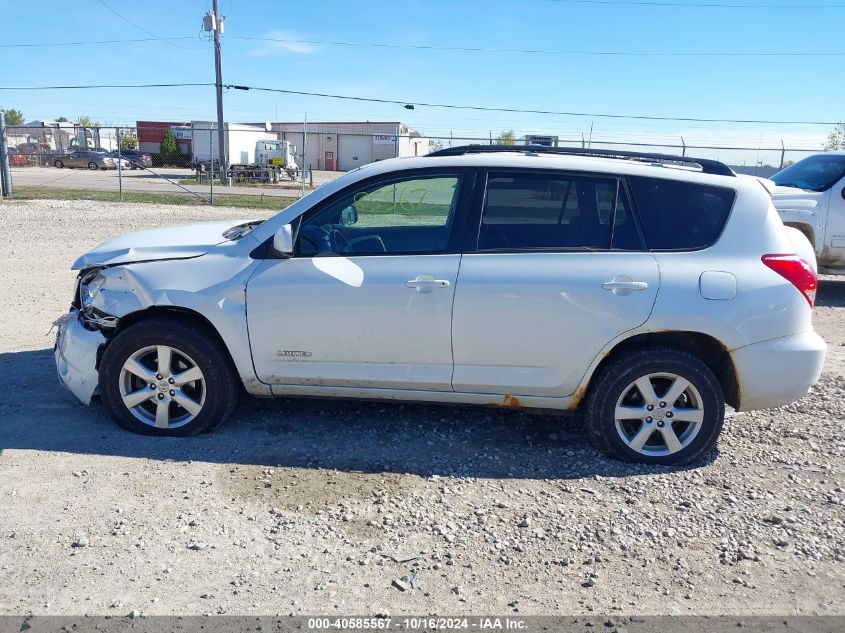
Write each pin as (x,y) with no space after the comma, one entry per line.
(310,506)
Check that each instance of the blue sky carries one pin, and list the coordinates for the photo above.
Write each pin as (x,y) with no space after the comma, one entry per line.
(789,87)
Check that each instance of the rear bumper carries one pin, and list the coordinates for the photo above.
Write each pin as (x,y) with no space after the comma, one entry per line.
(779,371)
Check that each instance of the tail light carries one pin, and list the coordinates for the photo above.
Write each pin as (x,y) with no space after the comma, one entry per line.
(796,271)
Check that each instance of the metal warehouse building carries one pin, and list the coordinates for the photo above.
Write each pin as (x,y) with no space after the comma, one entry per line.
(151,134)
(343,146)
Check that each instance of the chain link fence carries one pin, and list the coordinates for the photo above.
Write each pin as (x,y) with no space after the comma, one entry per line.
(268,165)
(760,161)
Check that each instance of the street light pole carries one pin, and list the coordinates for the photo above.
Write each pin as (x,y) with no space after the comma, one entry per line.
(218,70)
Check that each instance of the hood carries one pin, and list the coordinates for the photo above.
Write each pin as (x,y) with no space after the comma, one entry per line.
(798,199)
(176,242)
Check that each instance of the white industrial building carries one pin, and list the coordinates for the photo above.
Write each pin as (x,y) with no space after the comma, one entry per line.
(341,146)
(331,145)
(59,136)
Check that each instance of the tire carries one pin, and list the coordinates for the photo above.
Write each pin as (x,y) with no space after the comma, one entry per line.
(209,399)
(92,165)
(694,419)
(58,164)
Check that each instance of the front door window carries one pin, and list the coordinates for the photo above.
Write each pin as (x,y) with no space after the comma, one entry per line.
(399,217)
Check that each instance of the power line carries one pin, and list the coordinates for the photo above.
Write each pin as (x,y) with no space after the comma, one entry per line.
(404,102)
(471,49)
(94,42)
(139,27)
(526,111)
(91,86)
(539,51)
(705,5)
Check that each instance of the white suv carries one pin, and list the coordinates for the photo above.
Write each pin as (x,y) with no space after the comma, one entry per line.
(645,291)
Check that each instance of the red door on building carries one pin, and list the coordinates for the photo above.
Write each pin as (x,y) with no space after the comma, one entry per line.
(329,161)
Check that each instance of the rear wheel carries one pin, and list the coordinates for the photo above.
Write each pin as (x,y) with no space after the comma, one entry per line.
(657,406)
(167,376)
(58,164)
(92,165)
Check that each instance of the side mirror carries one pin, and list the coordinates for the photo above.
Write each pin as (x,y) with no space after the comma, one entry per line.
(349,215)
(843,193)
(283,240)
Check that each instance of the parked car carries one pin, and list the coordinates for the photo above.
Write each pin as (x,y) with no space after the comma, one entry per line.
(17,158)
(643,291)
(137,159)
(125,163)
(87,159)
(810,195)
(37,153)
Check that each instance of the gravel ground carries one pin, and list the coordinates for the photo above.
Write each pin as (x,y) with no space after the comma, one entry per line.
(313,506)
(145,180)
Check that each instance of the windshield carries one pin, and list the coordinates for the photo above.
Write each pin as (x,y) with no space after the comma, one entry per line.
(816,173)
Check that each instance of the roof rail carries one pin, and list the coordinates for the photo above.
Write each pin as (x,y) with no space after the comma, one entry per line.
(707,166)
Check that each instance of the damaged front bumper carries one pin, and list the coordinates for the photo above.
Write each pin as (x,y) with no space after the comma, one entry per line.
(76,355)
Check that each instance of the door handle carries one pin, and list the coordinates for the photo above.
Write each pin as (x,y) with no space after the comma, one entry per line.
(623,285)
(426,282)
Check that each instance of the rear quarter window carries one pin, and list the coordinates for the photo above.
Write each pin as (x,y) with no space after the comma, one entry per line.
(680,215)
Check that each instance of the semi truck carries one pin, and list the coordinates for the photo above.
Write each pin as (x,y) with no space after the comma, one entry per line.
(252,156)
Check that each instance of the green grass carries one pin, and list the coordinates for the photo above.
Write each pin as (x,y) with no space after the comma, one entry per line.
(252,202)
(282,184)
(200,181)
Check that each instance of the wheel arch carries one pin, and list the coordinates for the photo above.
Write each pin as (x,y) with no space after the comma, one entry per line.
(185,314)
(710,350)
(807,229)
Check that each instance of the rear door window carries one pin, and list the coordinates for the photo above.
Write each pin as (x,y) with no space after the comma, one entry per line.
(679,215)
(549,212)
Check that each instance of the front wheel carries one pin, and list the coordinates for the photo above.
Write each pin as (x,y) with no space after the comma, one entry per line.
(655,406)
(92,165)
(58,164)
(167,376)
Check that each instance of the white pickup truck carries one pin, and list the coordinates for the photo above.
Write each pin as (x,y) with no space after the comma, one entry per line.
(810,196)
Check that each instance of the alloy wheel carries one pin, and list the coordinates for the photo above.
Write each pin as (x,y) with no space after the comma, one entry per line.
(162,387)
(659,414)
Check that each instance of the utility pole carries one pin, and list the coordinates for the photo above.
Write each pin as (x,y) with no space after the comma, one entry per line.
(217,27)
(5,174)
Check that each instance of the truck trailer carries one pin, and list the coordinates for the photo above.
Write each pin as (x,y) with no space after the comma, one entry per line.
(253,154)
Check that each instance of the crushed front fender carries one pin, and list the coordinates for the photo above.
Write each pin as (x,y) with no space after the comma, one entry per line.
(76,356)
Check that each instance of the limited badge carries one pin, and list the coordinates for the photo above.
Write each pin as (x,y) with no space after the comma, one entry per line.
(292,353)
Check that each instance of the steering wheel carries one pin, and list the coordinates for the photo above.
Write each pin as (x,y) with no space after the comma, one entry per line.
(318,236)
(340,244)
